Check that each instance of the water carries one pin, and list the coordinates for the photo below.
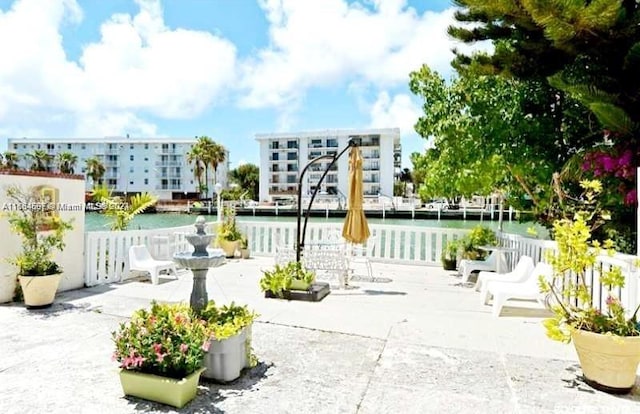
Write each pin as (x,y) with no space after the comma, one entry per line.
(97,222)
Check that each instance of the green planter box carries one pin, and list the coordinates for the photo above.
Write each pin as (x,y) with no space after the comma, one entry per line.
(170,391)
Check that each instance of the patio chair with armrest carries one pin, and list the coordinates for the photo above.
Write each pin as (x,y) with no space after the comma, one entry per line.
(141,260)
(468,266)
(527,290)
(361,254)
(518,274)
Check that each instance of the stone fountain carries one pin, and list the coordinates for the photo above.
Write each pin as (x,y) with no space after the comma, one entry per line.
(199,261)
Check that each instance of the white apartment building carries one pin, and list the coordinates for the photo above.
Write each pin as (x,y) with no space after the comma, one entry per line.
(132,165)
(284,155)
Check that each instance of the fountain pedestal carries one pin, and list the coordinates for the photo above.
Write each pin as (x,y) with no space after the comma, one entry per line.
(199,262)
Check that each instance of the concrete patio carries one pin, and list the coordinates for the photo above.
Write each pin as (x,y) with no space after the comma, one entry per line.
(415,341)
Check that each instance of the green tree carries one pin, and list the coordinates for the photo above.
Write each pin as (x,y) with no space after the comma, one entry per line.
(195,157)
(39,160)
(247,176)
(94,169)
(66,162)
(11,160)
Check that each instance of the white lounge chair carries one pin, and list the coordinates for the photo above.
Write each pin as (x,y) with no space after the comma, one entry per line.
(519,274)
(467,266)
(140,260)
(527,290)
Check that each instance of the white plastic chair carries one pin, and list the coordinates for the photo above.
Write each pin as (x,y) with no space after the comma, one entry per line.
(362,255)
(490,265)
(140,260)
(519,274)
(527,290)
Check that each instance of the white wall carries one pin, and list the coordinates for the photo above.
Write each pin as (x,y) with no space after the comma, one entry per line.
(71,193)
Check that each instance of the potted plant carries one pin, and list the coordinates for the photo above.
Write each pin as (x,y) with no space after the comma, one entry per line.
(42,233)
(478,236)
(160,352)
(229,332)
(229,235)
(450,255)
(245,252)
(292,276)
(606,340)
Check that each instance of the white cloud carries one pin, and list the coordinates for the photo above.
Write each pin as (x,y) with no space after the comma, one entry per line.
(400,111)
(138,66)
(318,43)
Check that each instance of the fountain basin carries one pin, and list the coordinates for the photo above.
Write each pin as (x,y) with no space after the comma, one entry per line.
(214,258)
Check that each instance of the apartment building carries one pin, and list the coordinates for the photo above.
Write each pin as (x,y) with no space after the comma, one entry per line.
(284,155)
(132,165)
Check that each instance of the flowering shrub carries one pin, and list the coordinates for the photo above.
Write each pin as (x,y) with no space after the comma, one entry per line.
(572,304)
(166,340)
(617,164)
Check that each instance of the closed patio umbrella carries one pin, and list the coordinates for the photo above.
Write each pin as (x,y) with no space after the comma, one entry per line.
(355,229)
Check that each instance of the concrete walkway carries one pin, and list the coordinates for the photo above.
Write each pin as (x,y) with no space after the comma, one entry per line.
(415,341)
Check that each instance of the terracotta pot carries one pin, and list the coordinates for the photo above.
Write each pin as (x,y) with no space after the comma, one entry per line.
(39,291)
(609,362)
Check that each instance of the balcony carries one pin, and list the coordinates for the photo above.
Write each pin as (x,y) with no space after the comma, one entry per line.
(168,164)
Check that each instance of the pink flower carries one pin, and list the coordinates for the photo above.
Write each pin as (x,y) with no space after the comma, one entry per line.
(205,346)
(160,357)
(184,348)
(157,348)
(631,198)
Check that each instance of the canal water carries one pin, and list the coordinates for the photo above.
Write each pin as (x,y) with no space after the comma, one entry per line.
(98,222)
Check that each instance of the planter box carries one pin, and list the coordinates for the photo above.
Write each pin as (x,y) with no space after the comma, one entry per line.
(170,391)
(315,293)
(226,359)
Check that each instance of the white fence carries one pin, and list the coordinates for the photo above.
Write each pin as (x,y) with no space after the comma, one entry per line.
(107,252)
(538,249)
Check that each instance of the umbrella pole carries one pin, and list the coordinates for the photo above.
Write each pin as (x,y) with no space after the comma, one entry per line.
(302,232)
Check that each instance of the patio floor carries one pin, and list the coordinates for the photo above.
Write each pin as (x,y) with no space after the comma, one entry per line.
(415,341)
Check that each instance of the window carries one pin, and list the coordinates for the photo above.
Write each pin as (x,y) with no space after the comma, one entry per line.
(130,182)
(292,167)
(83,146)
(146,158)
(292,156)
(292,179)
(146,170)
(131,157)
(316,143)
(146,181)
(274,144)
(332,142)
(292,144)
(15,146)
(274,156)
(146,146)
(131,170)
(68,146)
(130,146)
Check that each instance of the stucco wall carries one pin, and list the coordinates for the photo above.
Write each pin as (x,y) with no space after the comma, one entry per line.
(71,193)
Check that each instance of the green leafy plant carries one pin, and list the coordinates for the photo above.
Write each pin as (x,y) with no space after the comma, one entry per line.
(244,242)
(279,279)
(451,250)
(167,340)
(478,236)
(41,233)
(226,321)
(569,297)
(228,230)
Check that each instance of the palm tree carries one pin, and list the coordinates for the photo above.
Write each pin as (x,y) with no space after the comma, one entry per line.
(66,162)
(206,145)
(11,160)
(94,169)
(405,177)
(195,157)
(217,157)
(40,160)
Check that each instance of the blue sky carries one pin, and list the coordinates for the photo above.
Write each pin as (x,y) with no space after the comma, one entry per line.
(223,68)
